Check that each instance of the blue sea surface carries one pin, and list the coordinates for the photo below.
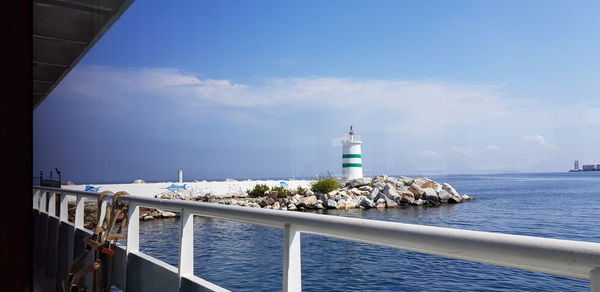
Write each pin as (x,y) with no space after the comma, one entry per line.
(245,257)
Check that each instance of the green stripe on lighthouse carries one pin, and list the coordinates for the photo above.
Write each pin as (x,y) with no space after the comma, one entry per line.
(352,165)
(351,156)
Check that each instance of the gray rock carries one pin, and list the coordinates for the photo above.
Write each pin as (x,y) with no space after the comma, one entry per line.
(267,201)
(420,181)
(309,193)
(307,201)
(355,191)
(454,195)
(444,196)
(292,207)
(466,197)
(331,204)
(366,188)
(430,194)
(380,184)
(367,203)
(148,218)
(359,182)
(416,190)
(373,193)
(406,197)
(379,195)
(390,203)
(346,204)
(323,197)
(390,191)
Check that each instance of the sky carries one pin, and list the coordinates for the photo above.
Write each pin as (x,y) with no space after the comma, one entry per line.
(257,89)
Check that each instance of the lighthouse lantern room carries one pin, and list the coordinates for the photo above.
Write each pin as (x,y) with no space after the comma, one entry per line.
(351,157)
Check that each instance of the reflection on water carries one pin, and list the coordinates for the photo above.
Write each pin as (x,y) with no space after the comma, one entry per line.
(245,257)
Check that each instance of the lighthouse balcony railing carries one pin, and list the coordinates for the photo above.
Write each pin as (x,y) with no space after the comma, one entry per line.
(136,271)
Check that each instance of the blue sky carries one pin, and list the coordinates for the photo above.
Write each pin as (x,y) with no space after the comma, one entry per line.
(251,89)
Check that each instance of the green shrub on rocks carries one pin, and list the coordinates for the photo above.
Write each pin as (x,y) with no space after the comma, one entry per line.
(409,183)
(258,190)
(325,185)
(282,192)
(301,191)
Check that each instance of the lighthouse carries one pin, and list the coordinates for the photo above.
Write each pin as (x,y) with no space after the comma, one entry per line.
(351,157)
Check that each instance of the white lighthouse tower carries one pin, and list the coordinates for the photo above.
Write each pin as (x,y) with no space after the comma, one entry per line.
(351,157)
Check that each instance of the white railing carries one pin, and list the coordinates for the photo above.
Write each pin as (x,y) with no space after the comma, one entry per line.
(569,258)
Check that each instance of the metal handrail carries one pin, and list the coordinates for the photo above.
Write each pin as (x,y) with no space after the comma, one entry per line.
(577,259)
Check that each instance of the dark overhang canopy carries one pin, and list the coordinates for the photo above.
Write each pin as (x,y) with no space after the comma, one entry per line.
(63,32)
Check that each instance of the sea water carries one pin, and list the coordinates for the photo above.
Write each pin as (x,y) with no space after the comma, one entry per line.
(245,257)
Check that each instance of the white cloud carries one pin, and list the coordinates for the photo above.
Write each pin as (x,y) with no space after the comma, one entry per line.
(430,154)
(466,151)
(593,116)
(492,148)
(540,141)
(421,102)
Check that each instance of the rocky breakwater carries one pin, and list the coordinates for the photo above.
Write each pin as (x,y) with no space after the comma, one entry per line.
(379,192)
(389,192)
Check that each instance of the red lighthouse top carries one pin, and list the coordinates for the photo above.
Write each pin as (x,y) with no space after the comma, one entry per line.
(351,131)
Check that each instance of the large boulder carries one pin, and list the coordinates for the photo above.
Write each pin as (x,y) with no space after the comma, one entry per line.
(390,191)
(359,182)
(266,201)
(420,181)
(454,195)
(390,203)
(466,197)
(380,203)
(331,204)
(365,202)
(307,202)
(416,190)
(373,193)
(355,192)
(430,195)
(444,196)
(407,197)
(379,182)
(366,188)
(429,185)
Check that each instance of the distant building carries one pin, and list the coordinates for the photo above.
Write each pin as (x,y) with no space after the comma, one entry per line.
(589,167)
(576,165)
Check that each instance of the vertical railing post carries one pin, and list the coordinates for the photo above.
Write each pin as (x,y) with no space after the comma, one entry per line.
(186,244)
(79,212)
(52,204)
(595,280)
(133,228)
(292,267)
(64,208)
(43,205)
(36,199)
